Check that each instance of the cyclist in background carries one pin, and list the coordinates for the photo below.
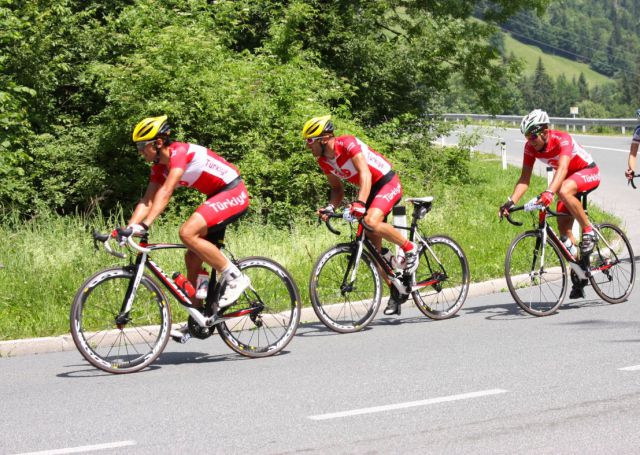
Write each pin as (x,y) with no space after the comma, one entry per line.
(633,151)
(575,171)
(379,189)
(184,164)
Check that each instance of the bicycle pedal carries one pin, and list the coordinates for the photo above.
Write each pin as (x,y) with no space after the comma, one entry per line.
(183,339)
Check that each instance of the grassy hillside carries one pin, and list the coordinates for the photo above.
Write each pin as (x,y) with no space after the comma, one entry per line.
(553,64)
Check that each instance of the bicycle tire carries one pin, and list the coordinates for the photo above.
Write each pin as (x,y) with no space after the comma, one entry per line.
(344,311)
(523,275)
(612,264)
(270,330)
(450,268)
(135,344)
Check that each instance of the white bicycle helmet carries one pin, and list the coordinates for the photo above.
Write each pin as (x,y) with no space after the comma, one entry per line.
(535,118)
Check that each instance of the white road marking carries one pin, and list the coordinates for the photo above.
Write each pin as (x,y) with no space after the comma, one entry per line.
(409,404)
(633,368)
(606,148)
(107,446)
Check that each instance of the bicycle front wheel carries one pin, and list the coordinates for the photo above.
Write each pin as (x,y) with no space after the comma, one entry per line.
(114,342)
(612,265)
(443,272)
(536,274)
(345,296)
(266,316)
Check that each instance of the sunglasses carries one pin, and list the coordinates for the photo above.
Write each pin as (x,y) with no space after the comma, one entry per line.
(141,145)
(311,140)
(534,133)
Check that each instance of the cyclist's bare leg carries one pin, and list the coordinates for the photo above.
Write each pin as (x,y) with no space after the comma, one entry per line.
(565,225)
(567,195)
(192,234)
(194,264)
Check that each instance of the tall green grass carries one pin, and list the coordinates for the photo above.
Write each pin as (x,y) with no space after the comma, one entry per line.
(44,261)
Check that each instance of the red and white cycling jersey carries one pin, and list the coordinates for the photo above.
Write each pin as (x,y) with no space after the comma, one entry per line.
(346,147)
(204,169)
(559,144)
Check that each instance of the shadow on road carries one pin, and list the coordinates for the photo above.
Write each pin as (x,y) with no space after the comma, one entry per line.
(499,311)
(166,358)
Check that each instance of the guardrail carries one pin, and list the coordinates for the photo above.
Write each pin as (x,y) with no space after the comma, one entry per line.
(568,122)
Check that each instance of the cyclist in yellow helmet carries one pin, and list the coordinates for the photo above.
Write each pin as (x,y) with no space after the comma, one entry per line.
(183,164)
(348,158)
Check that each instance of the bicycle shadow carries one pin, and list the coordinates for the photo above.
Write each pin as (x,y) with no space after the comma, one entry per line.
(511,310)
(497,311)
(314,329)
(89,371)
(166,358)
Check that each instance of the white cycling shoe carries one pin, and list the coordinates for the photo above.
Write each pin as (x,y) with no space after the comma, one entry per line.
(234,289)
(411,260)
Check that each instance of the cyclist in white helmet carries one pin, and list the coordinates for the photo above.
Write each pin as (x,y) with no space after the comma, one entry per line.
(575,172)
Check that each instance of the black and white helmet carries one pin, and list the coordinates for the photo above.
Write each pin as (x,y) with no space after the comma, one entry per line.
(533,119)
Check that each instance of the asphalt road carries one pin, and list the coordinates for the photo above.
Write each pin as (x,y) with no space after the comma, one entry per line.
(491,380)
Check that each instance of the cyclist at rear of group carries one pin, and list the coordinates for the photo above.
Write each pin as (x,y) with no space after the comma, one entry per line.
(183,164)
(348,158)
(633,151)
(575,172)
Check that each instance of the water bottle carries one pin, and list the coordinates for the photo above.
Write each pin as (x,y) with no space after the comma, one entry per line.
(569,245)
(202,284)
(400,218)
(399,221)
(184,284)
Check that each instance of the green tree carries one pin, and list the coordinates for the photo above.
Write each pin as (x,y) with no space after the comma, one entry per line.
(542,88)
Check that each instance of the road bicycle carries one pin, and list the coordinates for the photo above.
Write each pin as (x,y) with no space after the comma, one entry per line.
(346,287)
(121,319)
(535,266)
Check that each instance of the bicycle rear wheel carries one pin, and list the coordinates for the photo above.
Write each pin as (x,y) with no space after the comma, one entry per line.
(342,302)
(612,264)
(444,266)
(266,316)
(121,346)
(536,276)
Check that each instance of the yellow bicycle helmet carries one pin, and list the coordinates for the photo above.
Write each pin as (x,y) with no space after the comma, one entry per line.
(150,128)
(317,126)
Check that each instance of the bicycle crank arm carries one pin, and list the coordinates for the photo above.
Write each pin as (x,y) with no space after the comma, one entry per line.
(579,271)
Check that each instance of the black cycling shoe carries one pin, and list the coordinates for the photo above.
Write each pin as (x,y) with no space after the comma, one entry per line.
(577,292)
(392,308)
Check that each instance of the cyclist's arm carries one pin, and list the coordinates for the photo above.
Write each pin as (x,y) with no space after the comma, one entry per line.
(523,184)
(337,190)
(560,174)
(360,162)
(163,195)
(144,205)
